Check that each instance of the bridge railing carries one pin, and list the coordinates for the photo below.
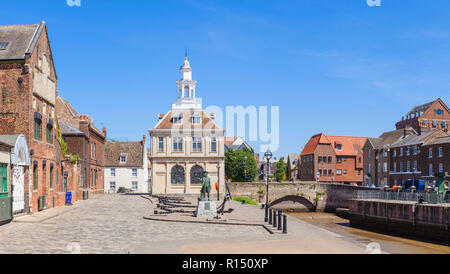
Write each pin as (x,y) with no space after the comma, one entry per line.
(416,196)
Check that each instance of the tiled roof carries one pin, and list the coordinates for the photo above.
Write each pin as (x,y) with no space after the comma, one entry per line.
(134,151)
(390,137)
(228,141)
(292,158)
(20,40)
(350,145)
(167,121)
(310,147)
(438,141)
(67,129)
(413,139)
(72,111)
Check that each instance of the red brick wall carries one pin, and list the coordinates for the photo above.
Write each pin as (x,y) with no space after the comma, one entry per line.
(17,117)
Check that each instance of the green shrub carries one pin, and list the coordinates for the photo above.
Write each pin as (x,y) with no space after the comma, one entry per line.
(247,200)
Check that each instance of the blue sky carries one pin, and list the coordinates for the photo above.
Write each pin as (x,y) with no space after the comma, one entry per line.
(333,66)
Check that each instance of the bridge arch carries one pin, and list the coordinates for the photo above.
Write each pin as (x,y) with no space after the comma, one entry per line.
(294,202)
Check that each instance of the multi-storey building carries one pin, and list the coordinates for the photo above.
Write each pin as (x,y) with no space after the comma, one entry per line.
(410,159)
(126,166)
(185,143)
(434,160)
(427,117)
(86,141)
(27,107)
(376,153)
(327,158)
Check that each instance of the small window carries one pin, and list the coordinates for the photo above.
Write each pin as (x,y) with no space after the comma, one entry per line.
(330,159)
(196,119)
(3,45)
(345,171)
(197,144)
(441,168)
(49,134)
(214,144)
(112,185)
(134,185)
(37,129)
(178,119)
(161,144)
(441,152)
(430,153)
(178,144)
(113,172)
(320,159)
(339,172)
(134,172)
(123,159)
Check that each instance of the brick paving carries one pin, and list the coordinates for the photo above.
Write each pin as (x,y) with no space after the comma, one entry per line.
(115,224)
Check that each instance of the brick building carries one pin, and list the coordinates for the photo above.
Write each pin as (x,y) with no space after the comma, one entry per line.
(376,153)
(27,105)
(412,157)
(435,158)
(87,142)
(427,117)
(333,159)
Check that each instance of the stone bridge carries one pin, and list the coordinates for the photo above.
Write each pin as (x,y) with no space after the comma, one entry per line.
(298,196)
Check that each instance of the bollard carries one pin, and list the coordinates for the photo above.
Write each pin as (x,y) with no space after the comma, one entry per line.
(284,224)
(270,216)
(274,218)
(280,214)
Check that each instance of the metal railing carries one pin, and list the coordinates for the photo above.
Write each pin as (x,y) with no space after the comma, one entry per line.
(408,196)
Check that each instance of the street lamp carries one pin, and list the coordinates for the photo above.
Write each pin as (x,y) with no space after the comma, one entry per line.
(218,182)
(267,156)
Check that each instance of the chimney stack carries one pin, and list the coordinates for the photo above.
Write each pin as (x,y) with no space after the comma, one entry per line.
(104,131)
(144,139)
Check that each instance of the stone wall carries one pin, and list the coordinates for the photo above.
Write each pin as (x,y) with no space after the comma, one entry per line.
(324,197)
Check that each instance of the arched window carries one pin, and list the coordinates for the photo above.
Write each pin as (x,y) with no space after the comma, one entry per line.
(196,175)
(177,177)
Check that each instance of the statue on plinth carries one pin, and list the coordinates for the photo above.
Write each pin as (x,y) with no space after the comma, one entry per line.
(206,186)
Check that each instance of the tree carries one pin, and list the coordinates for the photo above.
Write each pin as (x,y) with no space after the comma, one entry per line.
(280,174)
(240,164)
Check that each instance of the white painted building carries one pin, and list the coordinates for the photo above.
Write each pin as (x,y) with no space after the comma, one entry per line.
(126,166)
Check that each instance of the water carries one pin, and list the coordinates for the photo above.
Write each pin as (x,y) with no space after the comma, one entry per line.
(388,243)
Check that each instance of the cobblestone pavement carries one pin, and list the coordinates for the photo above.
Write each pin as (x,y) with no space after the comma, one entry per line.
(115,224)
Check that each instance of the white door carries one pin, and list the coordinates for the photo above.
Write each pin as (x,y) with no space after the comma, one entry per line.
(18,189)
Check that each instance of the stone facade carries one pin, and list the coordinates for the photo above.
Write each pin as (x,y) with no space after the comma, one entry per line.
(185,143)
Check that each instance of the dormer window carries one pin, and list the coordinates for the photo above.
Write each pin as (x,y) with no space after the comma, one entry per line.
(123,159)
(4,45)
(178,119)
(196,119)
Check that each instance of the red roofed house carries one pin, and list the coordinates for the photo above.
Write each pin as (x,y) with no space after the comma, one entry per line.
(333,159)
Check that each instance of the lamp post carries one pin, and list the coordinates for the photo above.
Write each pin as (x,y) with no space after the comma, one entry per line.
(267,156)
(218,182)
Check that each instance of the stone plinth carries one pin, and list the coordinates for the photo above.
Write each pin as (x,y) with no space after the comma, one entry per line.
(206,209)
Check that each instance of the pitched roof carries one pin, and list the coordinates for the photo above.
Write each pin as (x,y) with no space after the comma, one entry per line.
(167,121)
(390,137)
(133,150)
(310,147)
(67,129)
(228,141)
(8,140)
(350,145)
(421,108)
(21,40)
(72,111)
(414,139)
(438,141)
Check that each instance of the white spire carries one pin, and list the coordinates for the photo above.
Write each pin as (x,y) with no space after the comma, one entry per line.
(186,88)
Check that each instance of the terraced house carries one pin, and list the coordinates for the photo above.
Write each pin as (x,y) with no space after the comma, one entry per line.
(27,106)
